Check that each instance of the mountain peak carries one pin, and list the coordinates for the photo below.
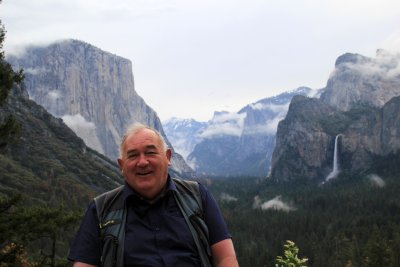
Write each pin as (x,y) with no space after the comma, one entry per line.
(350,58)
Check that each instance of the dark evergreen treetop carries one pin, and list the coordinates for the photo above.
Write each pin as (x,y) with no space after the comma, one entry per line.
(7,75)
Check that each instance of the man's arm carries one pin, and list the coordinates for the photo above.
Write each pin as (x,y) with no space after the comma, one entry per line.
(223,254)
(85,250)
(81,264)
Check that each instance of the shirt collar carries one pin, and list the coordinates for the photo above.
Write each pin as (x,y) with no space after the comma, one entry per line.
(129,191)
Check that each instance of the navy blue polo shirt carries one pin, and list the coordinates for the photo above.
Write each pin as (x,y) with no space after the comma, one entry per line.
(156,234)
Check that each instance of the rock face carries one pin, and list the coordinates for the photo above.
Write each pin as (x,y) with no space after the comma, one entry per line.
(361,80)
(376,132)
(361,104)
(302,145)
(91,90)
(241,144)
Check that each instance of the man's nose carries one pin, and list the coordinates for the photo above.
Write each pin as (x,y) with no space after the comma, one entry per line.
(142,160)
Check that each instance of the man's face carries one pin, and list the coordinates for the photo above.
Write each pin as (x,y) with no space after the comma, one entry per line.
(144,163)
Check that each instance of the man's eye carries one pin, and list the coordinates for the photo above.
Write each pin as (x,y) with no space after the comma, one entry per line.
(151,153)
(132,156)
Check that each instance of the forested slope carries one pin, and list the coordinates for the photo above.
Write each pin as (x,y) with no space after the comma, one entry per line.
(351,221)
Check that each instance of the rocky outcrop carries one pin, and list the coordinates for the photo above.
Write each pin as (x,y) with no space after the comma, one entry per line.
(361,103)
(303,148)
(390,131)
(375,132)
(92,90)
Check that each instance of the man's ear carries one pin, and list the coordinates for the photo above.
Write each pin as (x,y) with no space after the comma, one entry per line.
(120,163)
(168,153)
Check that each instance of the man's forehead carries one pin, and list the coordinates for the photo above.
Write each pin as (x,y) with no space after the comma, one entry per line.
(144,137)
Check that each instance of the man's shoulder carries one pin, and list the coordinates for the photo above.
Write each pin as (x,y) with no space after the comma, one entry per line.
(110,200)
(189,192)
(111,193)
(181,181)
(187,186)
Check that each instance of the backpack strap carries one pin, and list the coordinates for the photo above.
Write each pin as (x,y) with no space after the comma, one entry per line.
(111,212)
(189,201)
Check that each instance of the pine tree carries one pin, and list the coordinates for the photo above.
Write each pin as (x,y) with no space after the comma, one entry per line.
(11,253)
(20,227)
(9,127)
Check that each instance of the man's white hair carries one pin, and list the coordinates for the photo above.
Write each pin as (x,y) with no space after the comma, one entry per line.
(137,127)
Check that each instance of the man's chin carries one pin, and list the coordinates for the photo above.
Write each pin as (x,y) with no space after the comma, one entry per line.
(145,183)
(139,181)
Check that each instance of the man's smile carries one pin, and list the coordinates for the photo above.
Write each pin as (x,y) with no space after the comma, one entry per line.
(144,173)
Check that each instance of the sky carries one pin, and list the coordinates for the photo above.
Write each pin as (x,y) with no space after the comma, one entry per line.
(191,58)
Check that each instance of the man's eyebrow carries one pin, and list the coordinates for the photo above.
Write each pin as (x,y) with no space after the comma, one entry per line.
(147,147)
(131,151)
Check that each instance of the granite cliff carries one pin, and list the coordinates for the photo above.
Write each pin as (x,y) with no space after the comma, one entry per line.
(360,104)
(91,90)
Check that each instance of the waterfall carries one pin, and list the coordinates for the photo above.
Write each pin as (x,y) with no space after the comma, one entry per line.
(335,169)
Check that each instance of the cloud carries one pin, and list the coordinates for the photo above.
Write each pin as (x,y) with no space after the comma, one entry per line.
(84,129)
(257,106)
(181,146)
(228,116)
(230,123)
(35,71)
(394,72)
(386,65)
(77,122)
(376,180)
(270,127)
(280,109)
(228,198)
(273,124)
(390,62)
(368,68)
(256,202)
(54,95)
(225,128)
(313,93)
(274,204)
(225,124)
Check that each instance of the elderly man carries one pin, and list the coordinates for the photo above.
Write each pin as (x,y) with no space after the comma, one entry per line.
(156,225)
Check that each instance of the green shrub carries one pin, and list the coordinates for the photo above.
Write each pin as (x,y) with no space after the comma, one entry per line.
(290,258)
